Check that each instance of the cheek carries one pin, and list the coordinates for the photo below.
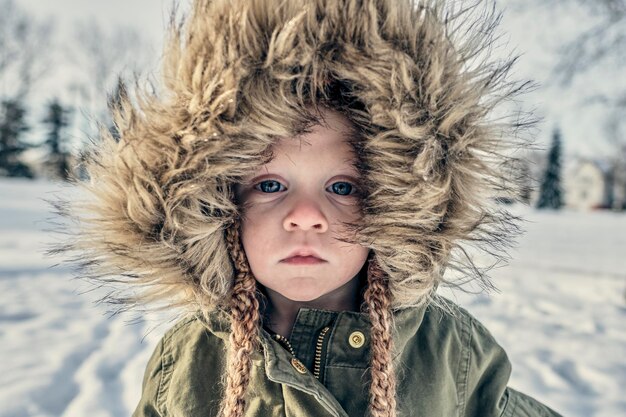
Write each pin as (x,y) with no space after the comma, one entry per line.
(351,257)
(359,255)
(249,236)
(255,223)
(256,240)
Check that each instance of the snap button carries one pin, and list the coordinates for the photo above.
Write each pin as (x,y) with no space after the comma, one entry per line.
(298,365)
(356,339)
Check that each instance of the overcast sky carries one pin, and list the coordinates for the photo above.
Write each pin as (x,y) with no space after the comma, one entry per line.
(535,33)
(148,15)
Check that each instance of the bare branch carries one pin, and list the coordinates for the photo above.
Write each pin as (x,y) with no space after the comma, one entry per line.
(103,56)
(601,43)
(24,50)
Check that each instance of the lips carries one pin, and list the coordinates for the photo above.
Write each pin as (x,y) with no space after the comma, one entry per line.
(303,255)
(303,260)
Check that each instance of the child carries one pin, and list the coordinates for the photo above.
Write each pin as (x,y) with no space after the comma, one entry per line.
(301,186)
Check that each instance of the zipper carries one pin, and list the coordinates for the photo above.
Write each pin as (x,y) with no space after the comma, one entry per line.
(318,352)
(285,342)
(319,346)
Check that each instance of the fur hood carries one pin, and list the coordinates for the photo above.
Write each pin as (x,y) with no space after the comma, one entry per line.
(414,77)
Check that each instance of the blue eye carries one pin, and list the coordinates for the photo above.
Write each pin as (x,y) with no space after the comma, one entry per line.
(271,189)
(344,188)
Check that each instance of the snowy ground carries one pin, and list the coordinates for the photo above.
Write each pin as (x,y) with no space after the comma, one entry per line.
(560,314)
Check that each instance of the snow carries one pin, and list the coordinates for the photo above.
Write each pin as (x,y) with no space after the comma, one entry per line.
(560,315)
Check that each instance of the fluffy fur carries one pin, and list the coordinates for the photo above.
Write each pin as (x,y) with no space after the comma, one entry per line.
(238,75)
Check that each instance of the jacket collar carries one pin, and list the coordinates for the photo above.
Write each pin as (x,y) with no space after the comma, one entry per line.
(406,323)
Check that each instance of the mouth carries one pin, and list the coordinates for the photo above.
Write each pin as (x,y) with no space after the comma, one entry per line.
(304,255)
(303,260)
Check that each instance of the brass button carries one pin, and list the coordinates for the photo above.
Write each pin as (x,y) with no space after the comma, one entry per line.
(298,365)
(356,339)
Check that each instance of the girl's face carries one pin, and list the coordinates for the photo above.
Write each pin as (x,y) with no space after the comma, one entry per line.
(296,202)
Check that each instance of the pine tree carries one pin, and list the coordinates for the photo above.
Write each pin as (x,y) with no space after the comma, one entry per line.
(12,127)
(58,157)
(551,194)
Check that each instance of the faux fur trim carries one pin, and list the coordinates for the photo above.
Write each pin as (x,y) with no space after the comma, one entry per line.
(416,78)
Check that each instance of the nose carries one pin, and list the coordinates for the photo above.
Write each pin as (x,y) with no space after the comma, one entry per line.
(306,215)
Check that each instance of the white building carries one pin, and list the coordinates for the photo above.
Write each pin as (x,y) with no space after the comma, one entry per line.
(593,184)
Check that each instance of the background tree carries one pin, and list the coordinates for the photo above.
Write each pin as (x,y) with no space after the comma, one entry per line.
(615,131)
(601,45)
(604,43)
(598,43)
(58,159)
(24,58)
(12,127)
(24,50)
(103,55)
(550,193)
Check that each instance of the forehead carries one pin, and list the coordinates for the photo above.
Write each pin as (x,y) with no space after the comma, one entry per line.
(328,143)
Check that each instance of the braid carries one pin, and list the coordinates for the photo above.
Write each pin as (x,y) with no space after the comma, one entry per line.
(378,300)
(244,318)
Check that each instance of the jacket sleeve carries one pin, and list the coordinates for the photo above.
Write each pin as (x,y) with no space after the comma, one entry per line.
(487,374)
(148,406)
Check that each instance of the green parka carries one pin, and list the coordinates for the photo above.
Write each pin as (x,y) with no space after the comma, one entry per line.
(447,364)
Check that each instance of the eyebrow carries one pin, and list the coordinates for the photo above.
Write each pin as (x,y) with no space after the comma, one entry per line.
(352,167)
(351,171)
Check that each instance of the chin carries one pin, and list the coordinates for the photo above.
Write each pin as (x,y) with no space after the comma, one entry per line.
(303,294)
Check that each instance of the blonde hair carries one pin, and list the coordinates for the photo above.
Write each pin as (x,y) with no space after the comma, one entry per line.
(245,325)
